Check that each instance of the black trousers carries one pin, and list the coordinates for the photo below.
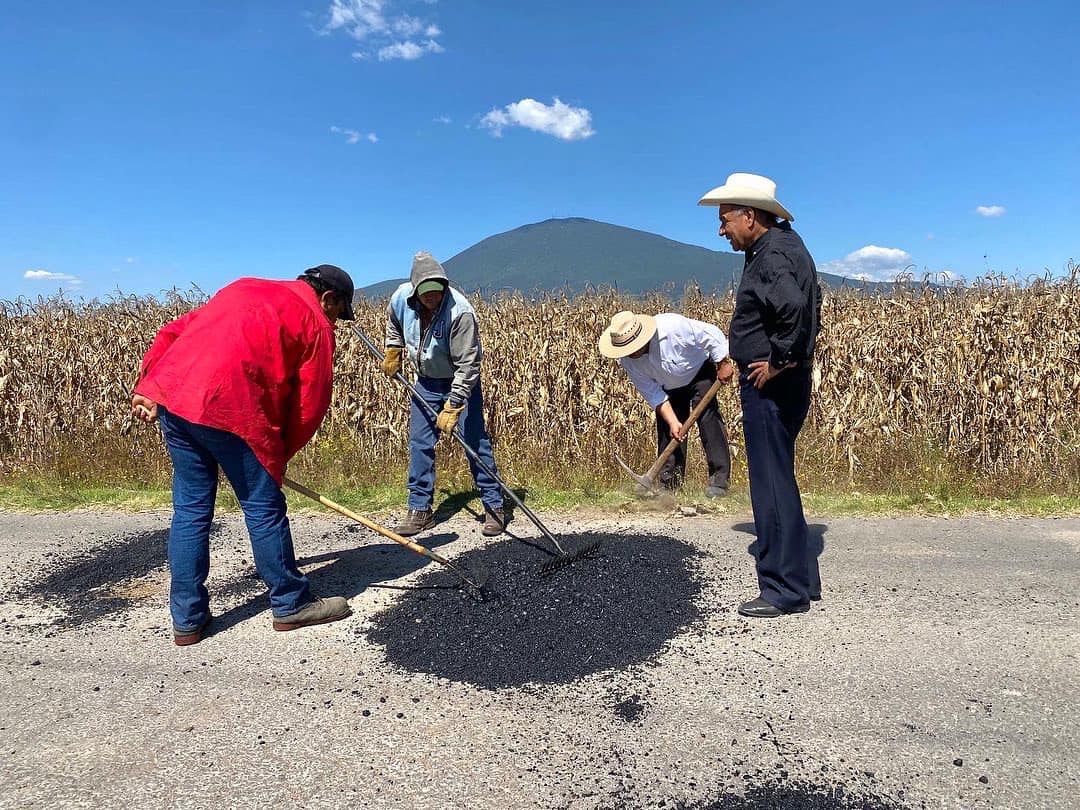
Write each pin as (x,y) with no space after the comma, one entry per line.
(710,426)
(787,567)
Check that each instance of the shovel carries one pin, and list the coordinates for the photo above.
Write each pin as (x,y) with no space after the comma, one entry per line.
(560,556)
(648,480)
(471,584)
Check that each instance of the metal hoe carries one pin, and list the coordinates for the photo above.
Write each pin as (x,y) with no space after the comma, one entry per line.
(560,556)
(472,585)
(648,480)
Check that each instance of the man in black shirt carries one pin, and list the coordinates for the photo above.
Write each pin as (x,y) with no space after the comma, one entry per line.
(772,336)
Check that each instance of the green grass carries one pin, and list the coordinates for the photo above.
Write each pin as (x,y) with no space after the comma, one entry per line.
(39,495)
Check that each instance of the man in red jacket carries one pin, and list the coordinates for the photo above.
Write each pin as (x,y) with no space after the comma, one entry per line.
(241,384)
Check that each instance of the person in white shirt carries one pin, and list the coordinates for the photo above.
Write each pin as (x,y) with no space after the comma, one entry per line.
(672,361)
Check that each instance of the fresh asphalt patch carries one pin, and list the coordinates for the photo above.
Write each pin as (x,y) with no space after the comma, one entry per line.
(779,794)
(84,584)
(613,609)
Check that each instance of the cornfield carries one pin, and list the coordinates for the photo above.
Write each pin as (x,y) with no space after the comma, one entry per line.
(982,382)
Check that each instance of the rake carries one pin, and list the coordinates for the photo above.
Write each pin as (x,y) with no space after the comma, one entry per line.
(560,556)
(472,584)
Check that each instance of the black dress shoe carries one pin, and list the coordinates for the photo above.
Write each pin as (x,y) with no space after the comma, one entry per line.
(760,609)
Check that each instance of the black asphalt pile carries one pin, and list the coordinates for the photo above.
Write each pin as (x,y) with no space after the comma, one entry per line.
(630,709)
(610,610)
(797,795)
(83,585)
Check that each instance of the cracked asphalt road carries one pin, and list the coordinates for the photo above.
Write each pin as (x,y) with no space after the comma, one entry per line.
(938,641)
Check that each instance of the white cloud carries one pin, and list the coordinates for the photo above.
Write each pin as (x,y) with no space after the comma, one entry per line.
(130,260)
(406,26)
(561,120)
(382,32)
(45,275)
(353,136)
(408,50)
(871,263)
(990,210)
(442,119)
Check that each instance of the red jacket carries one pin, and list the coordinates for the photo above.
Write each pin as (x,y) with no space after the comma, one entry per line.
(255,360)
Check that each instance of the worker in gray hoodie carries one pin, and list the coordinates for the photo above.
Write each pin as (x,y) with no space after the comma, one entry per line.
(436,324)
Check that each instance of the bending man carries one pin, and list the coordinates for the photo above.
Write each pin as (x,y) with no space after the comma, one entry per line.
(240,384)
(673,361)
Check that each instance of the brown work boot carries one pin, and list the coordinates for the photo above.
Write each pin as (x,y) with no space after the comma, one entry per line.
(494,521)
(415,522)
(320,611)
(185,638)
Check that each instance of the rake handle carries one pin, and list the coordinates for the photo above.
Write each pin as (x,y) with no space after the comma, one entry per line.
(375,527)
(378,355)
(690,420)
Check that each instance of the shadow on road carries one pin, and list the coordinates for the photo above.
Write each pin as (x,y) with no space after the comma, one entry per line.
(816,532)
(342,573)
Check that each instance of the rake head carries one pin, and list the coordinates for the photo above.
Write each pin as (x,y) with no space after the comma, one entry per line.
(562,560)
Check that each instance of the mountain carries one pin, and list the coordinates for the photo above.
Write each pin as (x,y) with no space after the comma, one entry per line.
(575,254)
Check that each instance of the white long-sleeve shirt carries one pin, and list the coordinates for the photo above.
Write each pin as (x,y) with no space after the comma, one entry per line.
(676,352)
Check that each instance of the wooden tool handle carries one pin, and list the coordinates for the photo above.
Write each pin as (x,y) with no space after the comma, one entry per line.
(375,527)
(690,420)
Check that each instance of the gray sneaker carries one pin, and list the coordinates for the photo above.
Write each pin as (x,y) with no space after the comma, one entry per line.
(415,522)
(320,611)
(715,492)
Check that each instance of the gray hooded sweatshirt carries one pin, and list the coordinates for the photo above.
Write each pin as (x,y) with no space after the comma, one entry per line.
(450,346)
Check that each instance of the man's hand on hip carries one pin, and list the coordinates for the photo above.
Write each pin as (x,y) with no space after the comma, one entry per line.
(761,371)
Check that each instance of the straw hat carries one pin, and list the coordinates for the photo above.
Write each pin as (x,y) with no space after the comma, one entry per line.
(626,334)
(748,189)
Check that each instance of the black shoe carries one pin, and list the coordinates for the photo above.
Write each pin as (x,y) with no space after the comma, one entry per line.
(415,522)
(760,609)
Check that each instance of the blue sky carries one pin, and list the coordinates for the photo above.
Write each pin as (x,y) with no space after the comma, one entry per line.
(151,145)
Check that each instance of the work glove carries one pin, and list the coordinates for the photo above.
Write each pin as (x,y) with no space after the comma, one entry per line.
(447,420)
(391,363)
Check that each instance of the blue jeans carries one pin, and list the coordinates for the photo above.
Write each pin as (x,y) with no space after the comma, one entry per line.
(787,567)
(423,435)
(197,452)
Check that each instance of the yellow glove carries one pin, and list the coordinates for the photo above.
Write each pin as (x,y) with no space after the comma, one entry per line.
(391,363)
(447,420)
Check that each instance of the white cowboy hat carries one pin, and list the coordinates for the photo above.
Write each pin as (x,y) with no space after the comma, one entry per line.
(748,189)
(626,334)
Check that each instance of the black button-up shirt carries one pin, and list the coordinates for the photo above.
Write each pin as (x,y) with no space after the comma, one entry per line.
(778,305)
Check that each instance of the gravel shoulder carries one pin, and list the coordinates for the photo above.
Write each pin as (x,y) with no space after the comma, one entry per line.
(938,641)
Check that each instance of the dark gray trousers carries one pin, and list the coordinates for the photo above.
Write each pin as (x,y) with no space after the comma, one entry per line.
(710,426)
